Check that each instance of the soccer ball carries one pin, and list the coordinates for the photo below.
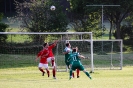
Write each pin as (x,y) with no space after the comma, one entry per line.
(52,7)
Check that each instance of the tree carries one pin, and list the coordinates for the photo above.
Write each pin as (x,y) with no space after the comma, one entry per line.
(36,16)
(83,19)
(117,14)
(114,14)
(3,27)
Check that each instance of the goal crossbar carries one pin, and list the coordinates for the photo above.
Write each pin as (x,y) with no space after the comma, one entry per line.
(46,33)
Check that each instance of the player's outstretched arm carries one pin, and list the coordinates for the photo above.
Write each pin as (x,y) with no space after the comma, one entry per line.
(56,41)
(81,56)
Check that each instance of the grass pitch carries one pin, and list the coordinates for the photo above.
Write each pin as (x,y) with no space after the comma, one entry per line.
(30,77)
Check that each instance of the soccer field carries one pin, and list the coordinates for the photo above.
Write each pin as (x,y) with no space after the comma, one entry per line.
(30,77)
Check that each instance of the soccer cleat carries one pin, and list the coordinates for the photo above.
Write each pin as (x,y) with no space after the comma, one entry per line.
(70,78)
(54,77)
(90,77)
(77,76)
(43,73)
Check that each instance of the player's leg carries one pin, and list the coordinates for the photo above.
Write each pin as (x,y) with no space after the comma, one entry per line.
(69,66)
(87,74)
(47,69)
(53,66)
(54,72)
(78,71)
(72,68)
(52,60)
(70,73)
(82,69)
(40,67)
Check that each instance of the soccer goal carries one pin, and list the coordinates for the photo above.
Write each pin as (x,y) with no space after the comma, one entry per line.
(19,49)
(108,54)
(103,54)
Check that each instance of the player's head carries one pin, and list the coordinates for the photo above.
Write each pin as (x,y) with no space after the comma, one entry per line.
(75,49)
(68,44)
(45,44)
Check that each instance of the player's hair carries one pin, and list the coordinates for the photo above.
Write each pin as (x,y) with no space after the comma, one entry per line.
(45,44)
(67,44)
(74,50)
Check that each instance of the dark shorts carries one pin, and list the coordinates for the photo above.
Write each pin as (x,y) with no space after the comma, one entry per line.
(77,66)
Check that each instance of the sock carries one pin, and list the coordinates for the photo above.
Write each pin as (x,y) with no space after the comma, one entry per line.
(54,72)
(52,61)
(48,73)
(73,74)
(87,74)
(41,70)
(78,72)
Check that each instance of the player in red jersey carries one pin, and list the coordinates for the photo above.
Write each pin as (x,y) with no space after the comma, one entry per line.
(51,57)
(43,55)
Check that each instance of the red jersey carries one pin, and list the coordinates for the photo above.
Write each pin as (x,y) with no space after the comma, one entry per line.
(43,54)
(50,50)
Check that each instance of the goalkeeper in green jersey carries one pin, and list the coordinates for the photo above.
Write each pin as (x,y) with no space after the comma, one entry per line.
(68,51)
(75,63)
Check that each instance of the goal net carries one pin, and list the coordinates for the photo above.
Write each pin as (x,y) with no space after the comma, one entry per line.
(19,49)
(108,54)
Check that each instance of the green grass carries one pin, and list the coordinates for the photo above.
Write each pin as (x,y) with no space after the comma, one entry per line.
(30,77)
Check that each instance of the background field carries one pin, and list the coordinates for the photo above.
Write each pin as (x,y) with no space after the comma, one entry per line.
(30,77)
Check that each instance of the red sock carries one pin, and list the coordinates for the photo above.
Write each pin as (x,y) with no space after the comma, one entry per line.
(52,62)
(78,72)
(41,69)
(48,72)
(73,74)
(54,72)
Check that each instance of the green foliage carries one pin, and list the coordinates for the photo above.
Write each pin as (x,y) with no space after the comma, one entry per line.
(36,16)
(3,27)
(126,35)
(84,20)
(127,47)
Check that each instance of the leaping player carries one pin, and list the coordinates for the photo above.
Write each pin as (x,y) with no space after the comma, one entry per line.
(49,57)
(67,52)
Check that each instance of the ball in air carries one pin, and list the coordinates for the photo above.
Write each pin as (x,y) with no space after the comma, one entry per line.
(52,7)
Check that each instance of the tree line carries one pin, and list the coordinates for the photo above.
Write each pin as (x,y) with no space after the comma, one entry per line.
(36,16)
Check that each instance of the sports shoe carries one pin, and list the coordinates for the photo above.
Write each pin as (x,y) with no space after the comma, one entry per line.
(70,78)
(43,73)
(54,77)
(77,76)
(90,77)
